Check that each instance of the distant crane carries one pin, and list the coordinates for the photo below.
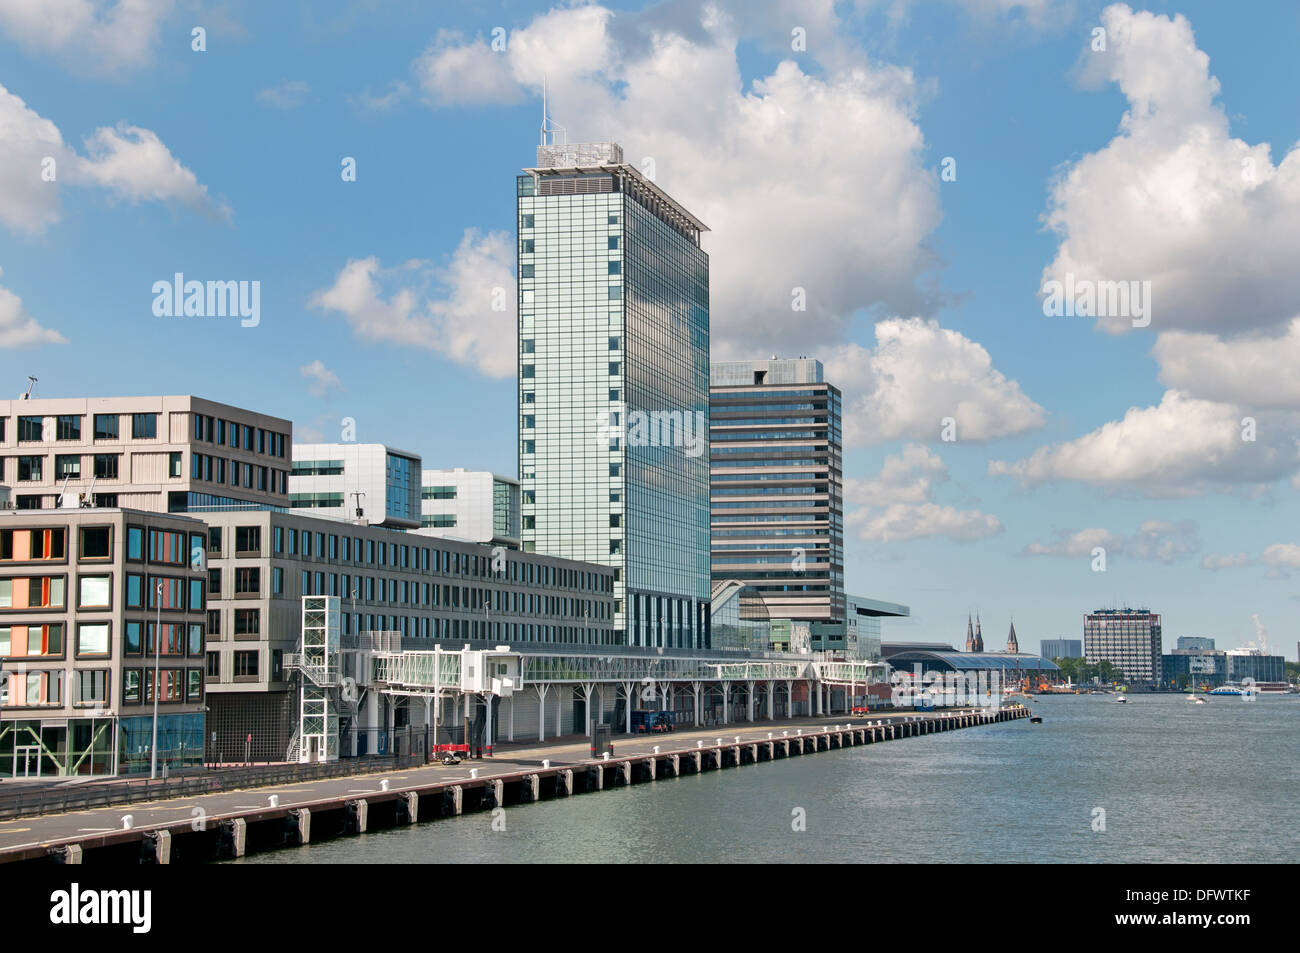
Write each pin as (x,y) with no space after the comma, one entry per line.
(31,386)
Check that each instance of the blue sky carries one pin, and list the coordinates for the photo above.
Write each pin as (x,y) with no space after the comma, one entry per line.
(817,167)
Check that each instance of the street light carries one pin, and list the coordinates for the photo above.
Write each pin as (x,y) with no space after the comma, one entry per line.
(157,646)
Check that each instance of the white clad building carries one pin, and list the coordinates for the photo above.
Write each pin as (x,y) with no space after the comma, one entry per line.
(475,505)
(337,479)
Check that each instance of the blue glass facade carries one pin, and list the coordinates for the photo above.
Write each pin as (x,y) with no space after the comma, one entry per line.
(613,393)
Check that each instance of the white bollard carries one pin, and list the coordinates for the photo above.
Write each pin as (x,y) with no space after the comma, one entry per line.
(718,741)
(656,749)
(605,755)
(128,822)
(546,762)
(275,800)
(383,785)
(699,744)
(798,731)
(737,739)
(473,772)
(769,736)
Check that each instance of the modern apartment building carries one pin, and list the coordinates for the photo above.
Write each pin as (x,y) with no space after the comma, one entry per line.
(776,487)
(80,611)
(261,563)
(1188,642)
(1130,639)
(470,504)
(338,479)
(1061,648)
(165,454)
(613,386)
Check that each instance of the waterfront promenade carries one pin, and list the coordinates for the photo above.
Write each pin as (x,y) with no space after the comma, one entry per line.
(222,823)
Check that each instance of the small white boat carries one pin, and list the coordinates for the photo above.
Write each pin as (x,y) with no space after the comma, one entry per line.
(1122,700)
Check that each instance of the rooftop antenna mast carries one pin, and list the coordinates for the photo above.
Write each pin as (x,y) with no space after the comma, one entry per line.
(549,125)
(358,496)
(31,386)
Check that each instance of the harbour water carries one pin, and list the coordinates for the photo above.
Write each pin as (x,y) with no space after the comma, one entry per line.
(1177,782)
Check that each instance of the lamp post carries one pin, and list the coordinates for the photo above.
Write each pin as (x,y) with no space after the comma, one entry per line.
(157,646)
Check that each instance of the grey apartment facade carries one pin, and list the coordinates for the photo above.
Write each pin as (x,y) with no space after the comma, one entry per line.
(176,454)
(81,614)
(613,386)
(425,590)
(776,486)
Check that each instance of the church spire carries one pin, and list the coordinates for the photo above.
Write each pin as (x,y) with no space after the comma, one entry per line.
(979,635)
(1013,644)
(970,635)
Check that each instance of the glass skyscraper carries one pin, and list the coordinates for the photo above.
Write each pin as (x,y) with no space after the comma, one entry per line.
(613,386)
(777,489)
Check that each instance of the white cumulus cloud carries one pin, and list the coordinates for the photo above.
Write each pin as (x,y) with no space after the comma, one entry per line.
(918,374)
(469,318)
(20,329)
(897,504)
(126,162)
(320,379)
(1174,199)
(106,34)
(1177,447)
(837,159)
(1154,540)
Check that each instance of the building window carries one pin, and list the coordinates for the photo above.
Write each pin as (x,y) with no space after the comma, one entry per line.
(31,429)
(174,464)
(94,592)
(67,466)
(214,623)
(144,426)
(615,292)
(91,687)
(248,622)
(613,241)
(527,370)
(277,581)
(105,466)
(248,581)
(29,469)
(67,427)
(96,542)
(106,426)
(248,540)
(92,639)
(615,268)
(246,664)
(214,666)
(613,367)
(214,582)
(526,271)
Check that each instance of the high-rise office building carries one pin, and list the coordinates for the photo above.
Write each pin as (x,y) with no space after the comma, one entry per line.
(613,386)
(775,486)
(1189,642)
(1130,639)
